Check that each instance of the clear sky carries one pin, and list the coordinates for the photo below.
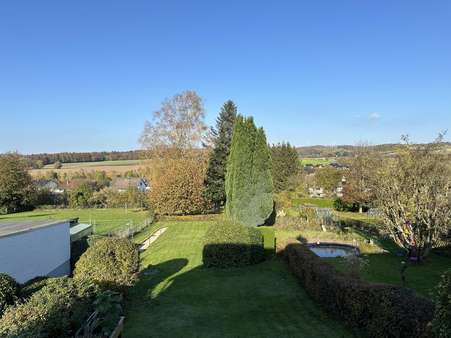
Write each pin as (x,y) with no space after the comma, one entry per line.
(85,75)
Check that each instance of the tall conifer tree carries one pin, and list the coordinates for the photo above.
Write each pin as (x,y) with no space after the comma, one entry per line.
(285,162)
(215,177)
(249,186)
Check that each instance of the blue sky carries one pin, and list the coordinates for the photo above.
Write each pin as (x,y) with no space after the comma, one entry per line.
(85,75)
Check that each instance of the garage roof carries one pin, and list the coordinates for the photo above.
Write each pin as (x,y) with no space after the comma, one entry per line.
(8,228)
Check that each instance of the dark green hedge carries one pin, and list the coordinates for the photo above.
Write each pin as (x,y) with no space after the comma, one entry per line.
(56,310)
(229,244)
(9,291)
(442,320)
(377,309)
(112,263)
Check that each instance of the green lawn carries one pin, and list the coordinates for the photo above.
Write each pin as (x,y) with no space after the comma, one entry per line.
(385,268)
(175,296)
(104,220)
(318,202)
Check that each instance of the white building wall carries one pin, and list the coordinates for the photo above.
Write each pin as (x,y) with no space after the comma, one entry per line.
(39,252)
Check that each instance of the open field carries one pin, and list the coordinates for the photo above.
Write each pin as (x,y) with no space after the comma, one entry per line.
(118,167)
(175,296)
(317,161)
(104,220)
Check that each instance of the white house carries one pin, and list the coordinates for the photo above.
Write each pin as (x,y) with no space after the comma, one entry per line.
(121,184)
(31,248)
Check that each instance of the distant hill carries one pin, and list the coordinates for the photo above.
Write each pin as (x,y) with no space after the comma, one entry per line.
(320,151)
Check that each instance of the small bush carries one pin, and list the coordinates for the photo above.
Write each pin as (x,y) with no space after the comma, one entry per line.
(33,285)
(111,263)
(441,324)
(229,244)
(379,310)
(9,291)
(54,311)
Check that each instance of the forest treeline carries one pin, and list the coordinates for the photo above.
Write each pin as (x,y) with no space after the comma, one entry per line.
(40,160)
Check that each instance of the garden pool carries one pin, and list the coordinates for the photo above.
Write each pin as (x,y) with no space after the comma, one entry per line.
(334,250)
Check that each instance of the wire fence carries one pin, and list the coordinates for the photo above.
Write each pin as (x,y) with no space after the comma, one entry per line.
(124,228)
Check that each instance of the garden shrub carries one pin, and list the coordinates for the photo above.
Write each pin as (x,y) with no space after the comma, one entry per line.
(379,310)
(441,325)
(341,205)
(77,249)
(229,244)
(54,311)
(111,263)
(9,291)
(33,285)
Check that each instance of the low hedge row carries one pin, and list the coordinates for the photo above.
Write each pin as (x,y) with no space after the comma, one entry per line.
(379,310)
(229,244)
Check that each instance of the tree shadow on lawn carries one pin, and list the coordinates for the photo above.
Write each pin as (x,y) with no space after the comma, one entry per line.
(262,300)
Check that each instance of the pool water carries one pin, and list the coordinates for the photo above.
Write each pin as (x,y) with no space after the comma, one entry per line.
(334,250)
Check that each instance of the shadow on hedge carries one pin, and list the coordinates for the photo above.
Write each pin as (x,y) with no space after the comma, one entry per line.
(223,255)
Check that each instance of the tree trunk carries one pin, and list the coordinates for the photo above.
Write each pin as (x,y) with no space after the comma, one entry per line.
(360,209)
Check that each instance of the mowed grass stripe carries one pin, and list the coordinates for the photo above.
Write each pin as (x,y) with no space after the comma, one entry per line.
(176,296)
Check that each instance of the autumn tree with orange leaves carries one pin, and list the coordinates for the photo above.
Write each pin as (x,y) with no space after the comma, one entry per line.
(176,159)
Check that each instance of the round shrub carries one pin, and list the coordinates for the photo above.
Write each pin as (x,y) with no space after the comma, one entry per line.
(9,291)
(111,263)
(229,244)
(441,324)
(56,310)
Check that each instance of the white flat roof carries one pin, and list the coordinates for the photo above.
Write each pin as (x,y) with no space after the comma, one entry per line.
(8,228)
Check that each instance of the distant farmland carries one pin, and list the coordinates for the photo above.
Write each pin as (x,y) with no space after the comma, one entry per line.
(111,167)
(316,161)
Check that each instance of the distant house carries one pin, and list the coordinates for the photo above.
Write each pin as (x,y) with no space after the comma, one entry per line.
(50,185)
(122,184)
(30,248)
(316,192)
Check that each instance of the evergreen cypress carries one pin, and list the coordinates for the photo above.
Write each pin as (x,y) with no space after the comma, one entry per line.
(215,177)
(249,184)
(285,164)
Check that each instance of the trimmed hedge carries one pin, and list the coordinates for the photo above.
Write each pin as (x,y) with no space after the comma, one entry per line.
(56,310)
(379,310)
(112,263)
(9,291)
(229,244)
(441,324)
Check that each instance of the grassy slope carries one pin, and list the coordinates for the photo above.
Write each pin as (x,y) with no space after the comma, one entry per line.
(184,299)
(105,220)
